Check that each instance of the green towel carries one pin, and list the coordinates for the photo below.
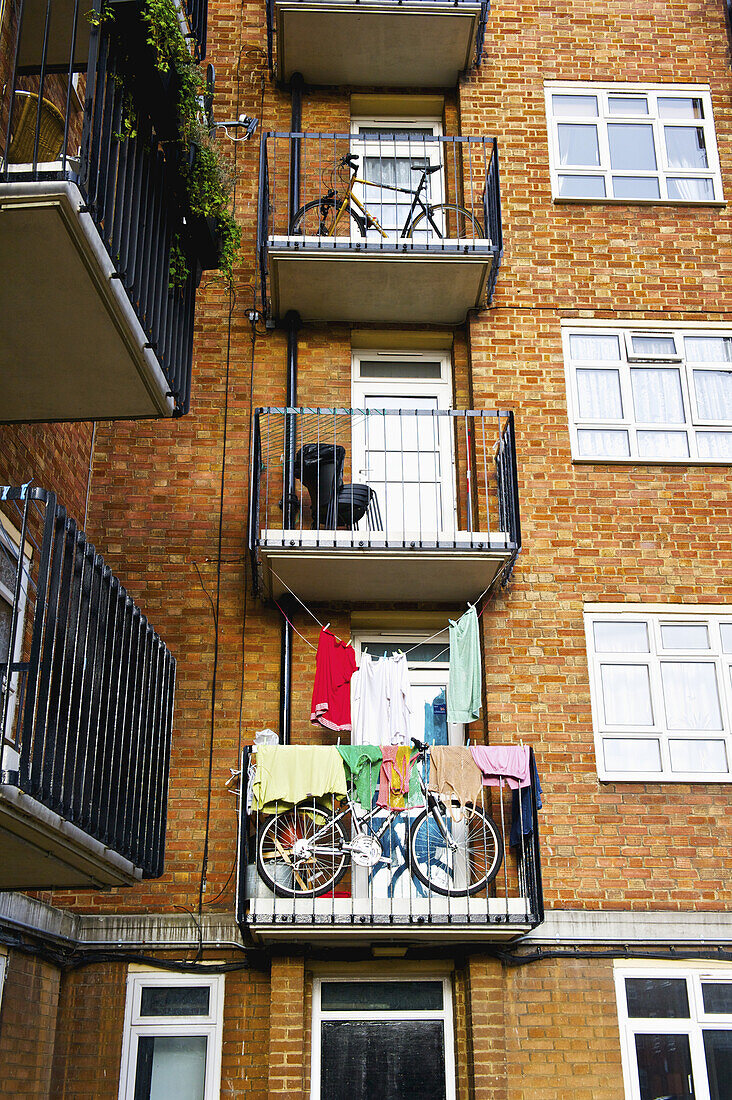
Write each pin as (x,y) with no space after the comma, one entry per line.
(363,763)
(463,692)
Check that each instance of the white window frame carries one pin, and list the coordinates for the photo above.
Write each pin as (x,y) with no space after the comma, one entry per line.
(137,1026)
(654,616)
(662,171)
(420,672)
(10,540)
(693,424)
(693,1026)
(389,148)
(445,1015)
(3,971)
(441,389)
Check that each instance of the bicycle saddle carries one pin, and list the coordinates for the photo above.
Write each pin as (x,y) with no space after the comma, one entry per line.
(427,168)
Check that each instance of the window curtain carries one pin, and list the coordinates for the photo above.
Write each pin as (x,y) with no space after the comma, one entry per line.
(594,348)
(690,696)
(606,444)
(709,349)
(658,444)
(657,395)
(578,144)
(714,394)
(686,148)
(626,692)
(598,393)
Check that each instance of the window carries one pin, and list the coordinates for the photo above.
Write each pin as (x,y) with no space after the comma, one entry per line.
(632,143)
(172,1039)
(408,460)
(385,1037)
(661,692)
(428,662)
(676,1032)
(11,637)
(392,153)
(656,395)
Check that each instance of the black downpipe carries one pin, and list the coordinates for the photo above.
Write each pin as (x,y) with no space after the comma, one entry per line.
(296,87)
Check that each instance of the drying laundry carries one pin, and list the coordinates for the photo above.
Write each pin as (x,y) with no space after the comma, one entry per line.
(510,762)
(399,694)
(394,779)
(363,764)
(464,687)
(381,701)
(288,774)
(335,664)
(455,775)
(522,810)
(370,703)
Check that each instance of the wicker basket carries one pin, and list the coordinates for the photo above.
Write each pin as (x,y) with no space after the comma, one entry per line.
(50,131)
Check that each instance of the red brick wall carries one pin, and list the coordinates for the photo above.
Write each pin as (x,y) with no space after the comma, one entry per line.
(27,1027)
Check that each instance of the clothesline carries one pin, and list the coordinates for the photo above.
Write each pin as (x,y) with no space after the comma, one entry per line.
(411,649)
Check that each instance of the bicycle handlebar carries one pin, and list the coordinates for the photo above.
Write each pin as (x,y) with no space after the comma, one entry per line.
(351,160)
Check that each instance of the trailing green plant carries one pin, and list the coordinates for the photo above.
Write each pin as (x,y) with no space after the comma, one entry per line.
(178,265)
(209,179)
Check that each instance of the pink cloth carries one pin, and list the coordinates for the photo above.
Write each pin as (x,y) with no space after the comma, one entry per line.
(511,762)
(335,664)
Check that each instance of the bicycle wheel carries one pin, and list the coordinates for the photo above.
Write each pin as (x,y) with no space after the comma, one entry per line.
(317,219)
(467,868)
(301,853)
(453,222)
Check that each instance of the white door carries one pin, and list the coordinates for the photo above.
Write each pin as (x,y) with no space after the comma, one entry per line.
(406,455)
(392,154)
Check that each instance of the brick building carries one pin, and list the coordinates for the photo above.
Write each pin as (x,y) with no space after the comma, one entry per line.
(527,369)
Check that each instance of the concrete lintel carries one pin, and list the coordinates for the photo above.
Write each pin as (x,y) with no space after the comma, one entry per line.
(606,927)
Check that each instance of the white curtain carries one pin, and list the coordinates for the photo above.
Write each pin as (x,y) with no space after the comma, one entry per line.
(697,755)
(663,444)
(594,348)
(690,696)
(659,346)
(603,443)
(626,691)
(685,147)
(178,1068)
(714,444)
(657,395)
(578,143)
(714,394)
(708,349)
(690,189)
(598,394)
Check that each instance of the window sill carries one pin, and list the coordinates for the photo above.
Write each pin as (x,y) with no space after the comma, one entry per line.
(655,777)
(631,461)
(566,201)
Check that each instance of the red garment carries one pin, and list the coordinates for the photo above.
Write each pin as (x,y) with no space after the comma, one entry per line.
(335,664)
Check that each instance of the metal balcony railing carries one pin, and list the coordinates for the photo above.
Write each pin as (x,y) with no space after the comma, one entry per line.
(386,478)
(379,192)
(426,4)
(305,869)
(86,685)
(66,102)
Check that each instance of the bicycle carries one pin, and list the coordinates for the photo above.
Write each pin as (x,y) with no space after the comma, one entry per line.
(321,217)
(305,851)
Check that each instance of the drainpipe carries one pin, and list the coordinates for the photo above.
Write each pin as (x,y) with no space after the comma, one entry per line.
(289,518)
(296,86)
(289,497)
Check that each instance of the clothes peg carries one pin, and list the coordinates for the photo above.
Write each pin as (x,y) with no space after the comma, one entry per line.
(326,626)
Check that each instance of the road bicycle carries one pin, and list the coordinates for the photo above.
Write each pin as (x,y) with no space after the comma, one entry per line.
(340,208)
(305,851)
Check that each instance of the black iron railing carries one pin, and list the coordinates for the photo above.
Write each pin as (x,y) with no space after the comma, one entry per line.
(482,5)
(397,478)
(74,111)
(86,685)
(379,192)
(412,880)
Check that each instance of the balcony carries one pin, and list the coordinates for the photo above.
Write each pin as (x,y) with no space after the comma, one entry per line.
(407,889)
(382,505)
(372,227)
(394,43)
(94,324)
(86,707)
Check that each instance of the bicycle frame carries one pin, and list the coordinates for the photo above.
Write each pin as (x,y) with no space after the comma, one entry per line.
(418,203)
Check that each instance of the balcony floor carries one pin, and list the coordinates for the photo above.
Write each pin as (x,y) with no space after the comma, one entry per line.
(411,45)
(72,347)
(403,919)
(338,566)
(42,851)
(332,280)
